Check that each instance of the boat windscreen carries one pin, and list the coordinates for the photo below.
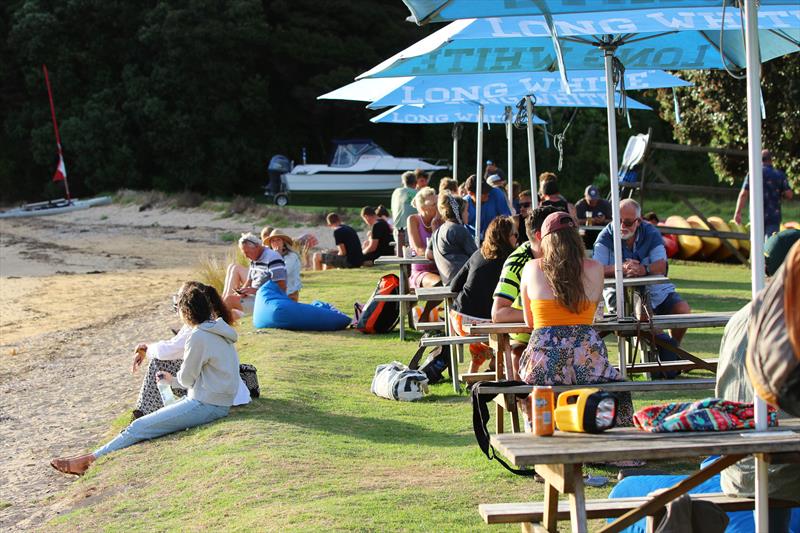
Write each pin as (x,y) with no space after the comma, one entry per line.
(347,152)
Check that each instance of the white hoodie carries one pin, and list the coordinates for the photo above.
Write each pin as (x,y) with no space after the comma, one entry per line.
(210,369)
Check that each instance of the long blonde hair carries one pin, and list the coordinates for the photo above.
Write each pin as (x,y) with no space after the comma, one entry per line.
(562,266)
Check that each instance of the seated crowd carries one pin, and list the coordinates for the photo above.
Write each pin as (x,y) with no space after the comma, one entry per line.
(530,267)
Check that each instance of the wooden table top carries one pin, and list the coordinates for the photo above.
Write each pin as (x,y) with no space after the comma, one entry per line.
(653,279)
(523,449)
(394,260)
(692,320)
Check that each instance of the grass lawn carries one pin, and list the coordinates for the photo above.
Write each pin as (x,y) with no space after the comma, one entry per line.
(319,451)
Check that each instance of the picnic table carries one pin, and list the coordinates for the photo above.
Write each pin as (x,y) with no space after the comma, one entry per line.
(405,296)
(444,294)
(559,460)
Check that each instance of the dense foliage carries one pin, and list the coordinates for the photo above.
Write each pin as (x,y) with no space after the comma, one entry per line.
(198,95)
(713,114)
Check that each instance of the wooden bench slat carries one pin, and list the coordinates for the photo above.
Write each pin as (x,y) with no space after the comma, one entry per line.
(475,377)
(452,341)
(641,368)
(429,326)
(619,386)
(509,513)
(395,298)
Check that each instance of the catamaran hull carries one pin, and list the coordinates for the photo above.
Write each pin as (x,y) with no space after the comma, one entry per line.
(42,209)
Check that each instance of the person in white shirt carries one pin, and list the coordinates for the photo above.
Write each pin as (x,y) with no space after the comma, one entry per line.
(167,356)
(210,373)
(282,243)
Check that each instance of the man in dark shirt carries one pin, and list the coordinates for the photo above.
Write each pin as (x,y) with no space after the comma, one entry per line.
(348,253)
(776,187)
(592,210)
(379,238)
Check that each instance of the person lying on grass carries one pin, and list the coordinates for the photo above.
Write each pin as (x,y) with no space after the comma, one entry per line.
(167,356)
(241,283)
(210,373)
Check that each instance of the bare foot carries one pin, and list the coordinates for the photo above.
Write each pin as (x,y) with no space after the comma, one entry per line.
(73,465)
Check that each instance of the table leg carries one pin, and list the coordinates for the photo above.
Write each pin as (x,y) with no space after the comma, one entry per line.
(623,359)
(577,503)
(499,374)
(504,352)
(453,349)
(403,291)
(550,518)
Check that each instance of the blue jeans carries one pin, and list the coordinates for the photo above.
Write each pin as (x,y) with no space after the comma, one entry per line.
(183,414)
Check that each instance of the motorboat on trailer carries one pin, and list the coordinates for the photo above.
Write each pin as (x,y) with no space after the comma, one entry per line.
(357,166)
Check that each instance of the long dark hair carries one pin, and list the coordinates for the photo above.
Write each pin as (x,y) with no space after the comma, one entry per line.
(218,307)
(562,266)
(193,304)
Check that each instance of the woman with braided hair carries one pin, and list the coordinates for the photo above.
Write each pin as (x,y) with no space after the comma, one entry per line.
(451,245)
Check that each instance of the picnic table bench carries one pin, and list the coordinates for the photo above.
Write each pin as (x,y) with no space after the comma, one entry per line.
(559,460)
(404,297)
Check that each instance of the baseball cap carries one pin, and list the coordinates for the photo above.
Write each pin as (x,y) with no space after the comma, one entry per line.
(556,222)
(777,247)
(494,179)
(591,192)
(489,162)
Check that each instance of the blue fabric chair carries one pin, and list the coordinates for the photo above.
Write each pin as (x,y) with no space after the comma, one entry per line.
(740,521)
(274,309)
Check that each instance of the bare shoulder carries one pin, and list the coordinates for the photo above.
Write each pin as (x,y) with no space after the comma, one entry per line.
(592,267)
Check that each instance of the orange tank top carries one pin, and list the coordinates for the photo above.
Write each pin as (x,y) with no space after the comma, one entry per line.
(552,313)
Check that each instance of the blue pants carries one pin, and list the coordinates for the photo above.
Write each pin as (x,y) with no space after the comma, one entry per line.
(183,414)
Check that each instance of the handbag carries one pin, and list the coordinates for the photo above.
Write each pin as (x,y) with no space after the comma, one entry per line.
(395,381)
(249,375)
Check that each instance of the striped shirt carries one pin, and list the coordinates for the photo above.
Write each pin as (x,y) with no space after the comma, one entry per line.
(269,266)
(508,285)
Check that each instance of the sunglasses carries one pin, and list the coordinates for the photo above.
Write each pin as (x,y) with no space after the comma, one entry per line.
(174,303)
(629,222)
(525,204)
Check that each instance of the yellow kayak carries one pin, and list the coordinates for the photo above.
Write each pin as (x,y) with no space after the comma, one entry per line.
(723,252)
(744,244)
(710,244)
(690,245)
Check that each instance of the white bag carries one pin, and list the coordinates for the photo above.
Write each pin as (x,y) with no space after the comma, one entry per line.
(394,381)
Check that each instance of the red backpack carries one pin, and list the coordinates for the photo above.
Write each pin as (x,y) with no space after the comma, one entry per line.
(381,317)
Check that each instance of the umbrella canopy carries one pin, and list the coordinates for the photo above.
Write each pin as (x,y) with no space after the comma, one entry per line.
(425,11)
(446,114)
(367,90)
(587,88)
(664,39)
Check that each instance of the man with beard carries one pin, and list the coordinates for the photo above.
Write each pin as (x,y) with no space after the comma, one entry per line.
(643,254)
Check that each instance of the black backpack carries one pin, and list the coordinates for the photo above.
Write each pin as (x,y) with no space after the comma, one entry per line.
(381,317)
(435,364)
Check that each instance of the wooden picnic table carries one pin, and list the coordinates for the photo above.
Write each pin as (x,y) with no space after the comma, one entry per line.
(559,460)
(405,271)
(652,279)
(444,294)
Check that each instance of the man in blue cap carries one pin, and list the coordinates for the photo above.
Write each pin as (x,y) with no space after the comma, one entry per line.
(776,187)
(592,210)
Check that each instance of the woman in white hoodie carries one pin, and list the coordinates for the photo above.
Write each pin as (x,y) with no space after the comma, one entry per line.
(210,373)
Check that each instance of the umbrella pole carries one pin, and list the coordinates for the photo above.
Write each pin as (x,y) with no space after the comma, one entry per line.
(531,153)
(612,161)
(756,227)
(455,151)
(479,178)
(510,156)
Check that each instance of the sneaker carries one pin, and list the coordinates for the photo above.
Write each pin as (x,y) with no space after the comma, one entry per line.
(136,413)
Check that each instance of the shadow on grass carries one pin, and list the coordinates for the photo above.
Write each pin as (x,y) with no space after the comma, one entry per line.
(383,430)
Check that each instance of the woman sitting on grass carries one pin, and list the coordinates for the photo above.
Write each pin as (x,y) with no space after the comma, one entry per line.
(560,293)
(282,243)
(167,356)
(210,372)
(475,283)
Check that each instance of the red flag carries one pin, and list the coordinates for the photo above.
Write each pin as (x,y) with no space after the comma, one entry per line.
(61,170)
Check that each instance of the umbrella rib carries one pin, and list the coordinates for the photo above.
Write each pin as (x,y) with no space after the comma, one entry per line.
(433,13)
(782,35)
(627,40)
(722,53)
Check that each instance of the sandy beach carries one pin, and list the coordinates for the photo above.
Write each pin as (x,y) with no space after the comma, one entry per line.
(77,292)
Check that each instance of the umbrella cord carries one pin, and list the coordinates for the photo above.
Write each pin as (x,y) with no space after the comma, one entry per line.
(558,139)
(722,42)
(522,113)
(618,77)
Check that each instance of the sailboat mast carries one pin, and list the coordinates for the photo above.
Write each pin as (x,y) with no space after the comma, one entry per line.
(61,167)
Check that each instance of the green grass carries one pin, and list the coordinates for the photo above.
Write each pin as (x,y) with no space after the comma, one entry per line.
(319,451)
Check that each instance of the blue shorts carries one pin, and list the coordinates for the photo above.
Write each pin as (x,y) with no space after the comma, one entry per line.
(665,307)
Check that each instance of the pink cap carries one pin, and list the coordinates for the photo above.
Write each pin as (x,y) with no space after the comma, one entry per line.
(556,222)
